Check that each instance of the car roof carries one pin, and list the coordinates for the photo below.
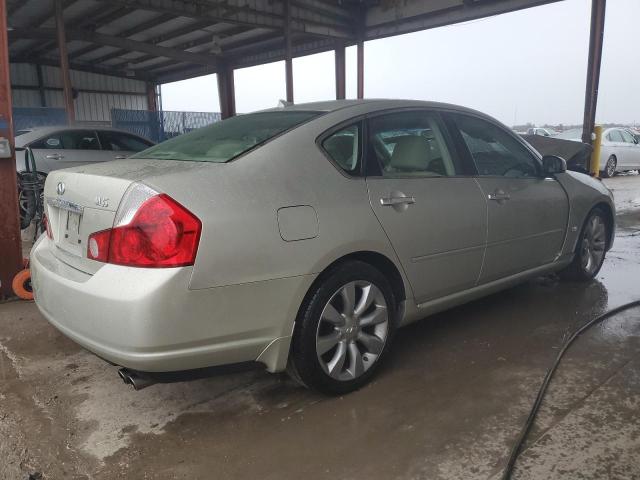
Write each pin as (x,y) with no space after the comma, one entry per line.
(373,103)
(35,133)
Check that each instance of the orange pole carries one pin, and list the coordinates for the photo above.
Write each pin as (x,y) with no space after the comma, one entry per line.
(10,244)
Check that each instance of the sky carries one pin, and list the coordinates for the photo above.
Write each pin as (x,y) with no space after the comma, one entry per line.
(525,66)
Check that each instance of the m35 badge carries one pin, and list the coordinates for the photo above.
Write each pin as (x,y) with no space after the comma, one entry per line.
(102,201)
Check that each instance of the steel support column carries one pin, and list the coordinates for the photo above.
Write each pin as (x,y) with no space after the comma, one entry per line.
(64,62)
(341,73)
(288,61)
(596,36)
(152,97)
(361,28)
(226,91)
(360,62)
(10,245)
(41,89)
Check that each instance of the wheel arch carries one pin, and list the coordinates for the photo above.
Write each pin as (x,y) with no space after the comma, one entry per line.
(378,260)
(276,354)
(609,218)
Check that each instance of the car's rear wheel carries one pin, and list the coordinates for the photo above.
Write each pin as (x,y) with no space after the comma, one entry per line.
(343,330)
(610,167)
(591,248)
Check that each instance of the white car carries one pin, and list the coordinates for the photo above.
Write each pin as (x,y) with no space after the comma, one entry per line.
(543,132)
(620,151)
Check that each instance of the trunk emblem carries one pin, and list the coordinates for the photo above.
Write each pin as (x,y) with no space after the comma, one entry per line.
(60,188)
(102,201)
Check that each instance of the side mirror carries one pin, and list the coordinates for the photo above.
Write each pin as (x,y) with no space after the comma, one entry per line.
(553,164)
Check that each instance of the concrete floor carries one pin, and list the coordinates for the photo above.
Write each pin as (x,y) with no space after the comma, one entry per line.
(448,405)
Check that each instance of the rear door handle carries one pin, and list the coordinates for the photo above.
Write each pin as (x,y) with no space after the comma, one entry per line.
(120,157)
(391,201)
(54,156)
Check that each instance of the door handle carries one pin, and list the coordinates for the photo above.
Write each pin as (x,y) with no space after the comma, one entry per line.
(499,196)
(391,201)
(54,156)
(120,157)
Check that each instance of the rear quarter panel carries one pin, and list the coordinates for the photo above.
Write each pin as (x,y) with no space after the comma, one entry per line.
(238,205)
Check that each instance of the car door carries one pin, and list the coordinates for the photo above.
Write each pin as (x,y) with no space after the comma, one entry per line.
(434,215)
(527,213)
(67,148)
(120,144)
(616,147)
(631,151)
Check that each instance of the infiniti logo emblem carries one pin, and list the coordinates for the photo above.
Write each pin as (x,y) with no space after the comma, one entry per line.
(60,188)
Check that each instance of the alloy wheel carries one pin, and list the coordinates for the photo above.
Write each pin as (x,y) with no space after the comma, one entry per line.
(593,244)
(352,331)
(611,167)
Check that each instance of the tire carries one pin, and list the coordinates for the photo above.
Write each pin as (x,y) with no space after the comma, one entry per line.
(22,285)
(27,216)
(592,242)
(343,330)
(610,167)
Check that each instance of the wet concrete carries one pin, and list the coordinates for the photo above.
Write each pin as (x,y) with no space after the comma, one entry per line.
(448,405)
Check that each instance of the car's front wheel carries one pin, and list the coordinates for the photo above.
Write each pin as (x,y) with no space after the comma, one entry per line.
(591,248)
(344,329)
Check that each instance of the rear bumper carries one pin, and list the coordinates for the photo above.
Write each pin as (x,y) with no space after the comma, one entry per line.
(149,320)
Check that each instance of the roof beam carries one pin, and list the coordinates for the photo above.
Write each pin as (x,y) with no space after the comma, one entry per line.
(38,20)
(184,46)
(112,41)
(84,21)
(84,67)
(13,7)
(169,36)
(227,36)
(266,14)
(420,15)
(154,22)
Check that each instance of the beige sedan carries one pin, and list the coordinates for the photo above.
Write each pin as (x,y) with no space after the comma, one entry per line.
(302,237)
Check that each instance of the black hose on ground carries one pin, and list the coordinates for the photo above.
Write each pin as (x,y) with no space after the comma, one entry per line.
(508,470)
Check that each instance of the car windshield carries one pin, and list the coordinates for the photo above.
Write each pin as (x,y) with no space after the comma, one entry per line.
(225,140)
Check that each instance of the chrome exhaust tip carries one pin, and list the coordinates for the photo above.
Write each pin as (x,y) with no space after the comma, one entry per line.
(135,379)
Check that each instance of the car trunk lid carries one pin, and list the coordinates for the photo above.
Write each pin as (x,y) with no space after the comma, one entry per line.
(84,200)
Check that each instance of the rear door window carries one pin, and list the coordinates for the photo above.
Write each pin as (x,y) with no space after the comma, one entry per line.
(615,136)
(410,143)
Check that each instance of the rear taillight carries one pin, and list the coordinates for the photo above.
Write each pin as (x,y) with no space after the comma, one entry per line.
(161,233)
(47,227)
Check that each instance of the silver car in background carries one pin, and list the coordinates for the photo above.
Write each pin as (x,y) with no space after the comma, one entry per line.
(620,150)
(64,146)
(302,237)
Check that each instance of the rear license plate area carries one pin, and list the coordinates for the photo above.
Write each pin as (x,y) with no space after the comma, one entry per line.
(72,227)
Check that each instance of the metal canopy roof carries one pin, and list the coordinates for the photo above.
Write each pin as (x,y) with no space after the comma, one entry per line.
(168,40)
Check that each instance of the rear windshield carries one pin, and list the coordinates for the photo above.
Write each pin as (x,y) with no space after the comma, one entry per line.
(225,140)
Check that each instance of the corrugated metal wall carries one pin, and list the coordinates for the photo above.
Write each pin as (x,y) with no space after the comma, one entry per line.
(92,106)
